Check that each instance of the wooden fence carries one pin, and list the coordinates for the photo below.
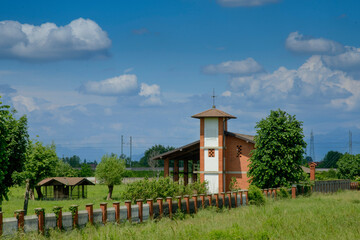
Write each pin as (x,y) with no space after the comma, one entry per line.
(332,186)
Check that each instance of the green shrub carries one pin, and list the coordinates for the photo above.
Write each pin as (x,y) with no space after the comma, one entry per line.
(256,197)
(160,188)
(283,193)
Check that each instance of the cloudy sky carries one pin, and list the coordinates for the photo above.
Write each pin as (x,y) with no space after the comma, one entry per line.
(86,73)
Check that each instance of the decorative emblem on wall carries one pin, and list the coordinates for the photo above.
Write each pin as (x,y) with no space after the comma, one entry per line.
(238,150)
(211,152)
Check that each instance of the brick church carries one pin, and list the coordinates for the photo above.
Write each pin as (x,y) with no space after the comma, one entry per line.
(218,156)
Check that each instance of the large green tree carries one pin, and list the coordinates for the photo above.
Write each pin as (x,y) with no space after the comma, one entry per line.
(349,166)
(13,145)
(41,160)
(86,171)
(279,149)
(153,151)
(63,169)
(330,160)
(110,171)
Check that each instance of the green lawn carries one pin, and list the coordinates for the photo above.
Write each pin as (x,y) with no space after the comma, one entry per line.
(96,195)
(335,216)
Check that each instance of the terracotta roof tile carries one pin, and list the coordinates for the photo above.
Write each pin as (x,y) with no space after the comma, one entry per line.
(68,181)
(213,112)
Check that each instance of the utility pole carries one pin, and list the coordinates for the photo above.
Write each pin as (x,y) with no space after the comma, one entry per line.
(350,142)
(130,149)
(312,150)
(122,144)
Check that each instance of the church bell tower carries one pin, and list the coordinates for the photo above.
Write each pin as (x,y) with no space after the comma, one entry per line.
(213,125)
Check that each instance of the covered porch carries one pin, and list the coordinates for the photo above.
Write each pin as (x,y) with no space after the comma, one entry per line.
(187,156)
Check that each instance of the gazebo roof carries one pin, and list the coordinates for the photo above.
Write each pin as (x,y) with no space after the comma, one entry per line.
(213,112)
(68,181)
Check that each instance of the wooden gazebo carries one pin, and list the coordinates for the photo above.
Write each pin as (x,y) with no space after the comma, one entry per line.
(63,188)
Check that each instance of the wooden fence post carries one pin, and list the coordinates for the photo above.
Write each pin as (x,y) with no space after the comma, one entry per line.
(151,208)
(41,220)
(74,209)
(293,191)
(246,196)
(187,201)
(19,214)
(216,199)
(179,202)
(103,207)
(116,205)
(241,197)
(139,202)
(128,206)
(169,201)
(194,197)
(90,210)
(58,214)
(160,202)
(229,196)
(275,192)
(202,197)
(210,199)
(223,198)
(235,196)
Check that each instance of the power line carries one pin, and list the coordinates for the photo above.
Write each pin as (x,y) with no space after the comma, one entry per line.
(122,144)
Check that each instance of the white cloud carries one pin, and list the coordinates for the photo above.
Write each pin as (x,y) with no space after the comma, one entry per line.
(81,38)
(152,92)
(226,94)
(245,3)
(24,104)
(297,42)
(243,67)
(313,80)
(123,84)
(149,90)
(347,60)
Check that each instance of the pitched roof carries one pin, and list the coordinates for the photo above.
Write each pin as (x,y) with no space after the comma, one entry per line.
(247,138)
(213,112)
(190,151)
(68,181)
(305,169)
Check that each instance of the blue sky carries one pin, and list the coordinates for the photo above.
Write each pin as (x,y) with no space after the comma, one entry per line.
(86,73)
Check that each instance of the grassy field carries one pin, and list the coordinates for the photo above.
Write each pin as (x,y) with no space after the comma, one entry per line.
(96,195)
(335,216)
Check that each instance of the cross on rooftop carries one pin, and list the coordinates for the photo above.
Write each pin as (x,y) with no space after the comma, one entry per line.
(213,97)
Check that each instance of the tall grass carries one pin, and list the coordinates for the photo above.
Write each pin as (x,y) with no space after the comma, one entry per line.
(335,216)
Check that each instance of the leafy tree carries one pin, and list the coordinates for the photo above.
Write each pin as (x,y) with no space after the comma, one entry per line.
(63,169)
(349,166)
(73,161)
(13,144)
(330,160)
(40,163)
(110,171)
(86,171)
(279,150)
(127,159)
(153,151)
